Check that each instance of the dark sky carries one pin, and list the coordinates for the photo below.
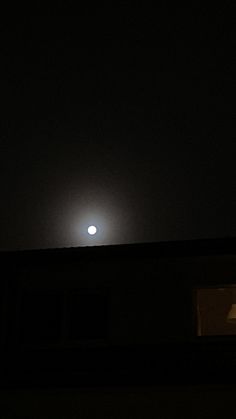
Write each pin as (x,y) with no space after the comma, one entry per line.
(124,119)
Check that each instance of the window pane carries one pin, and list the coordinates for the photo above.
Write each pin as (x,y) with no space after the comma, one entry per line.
(40,317)
(216,311)
(86,316)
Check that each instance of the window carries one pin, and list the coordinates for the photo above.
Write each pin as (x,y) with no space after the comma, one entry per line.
(86,316)
(54,316)
(216,311)
(40,317)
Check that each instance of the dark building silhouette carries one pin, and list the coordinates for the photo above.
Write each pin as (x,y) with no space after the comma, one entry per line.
(136,323)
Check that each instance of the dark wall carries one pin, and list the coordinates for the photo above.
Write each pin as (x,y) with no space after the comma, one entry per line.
(126,403)
(109,317)
(138,300)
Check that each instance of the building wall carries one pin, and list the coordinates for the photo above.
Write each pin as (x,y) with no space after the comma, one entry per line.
(148,300)
(121,403)
(137,322)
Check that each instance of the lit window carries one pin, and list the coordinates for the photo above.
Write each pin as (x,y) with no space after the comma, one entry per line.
(216,311)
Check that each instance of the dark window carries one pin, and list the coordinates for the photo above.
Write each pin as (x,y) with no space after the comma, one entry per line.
(40,317)
(62,317)
(86,316)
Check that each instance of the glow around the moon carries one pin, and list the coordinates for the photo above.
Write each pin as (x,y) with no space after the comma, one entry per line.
(95,224)
(92,230)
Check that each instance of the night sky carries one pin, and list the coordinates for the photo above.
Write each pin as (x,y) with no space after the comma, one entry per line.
(124,120)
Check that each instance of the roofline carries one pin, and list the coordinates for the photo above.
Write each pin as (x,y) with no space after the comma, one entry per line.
(203,246)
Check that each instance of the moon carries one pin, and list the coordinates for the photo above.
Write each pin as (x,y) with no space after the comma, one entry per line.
(92,230)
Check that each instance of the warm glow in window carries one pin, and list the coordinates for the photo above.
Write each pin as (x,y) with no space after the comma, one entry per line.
(216,311)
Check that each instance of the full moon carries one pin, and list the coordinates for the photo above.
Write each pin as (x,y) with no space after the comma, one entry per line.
(92,230)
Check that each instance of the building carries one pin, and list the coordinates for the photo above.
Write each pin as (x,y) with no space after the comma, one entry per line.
(83,321)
